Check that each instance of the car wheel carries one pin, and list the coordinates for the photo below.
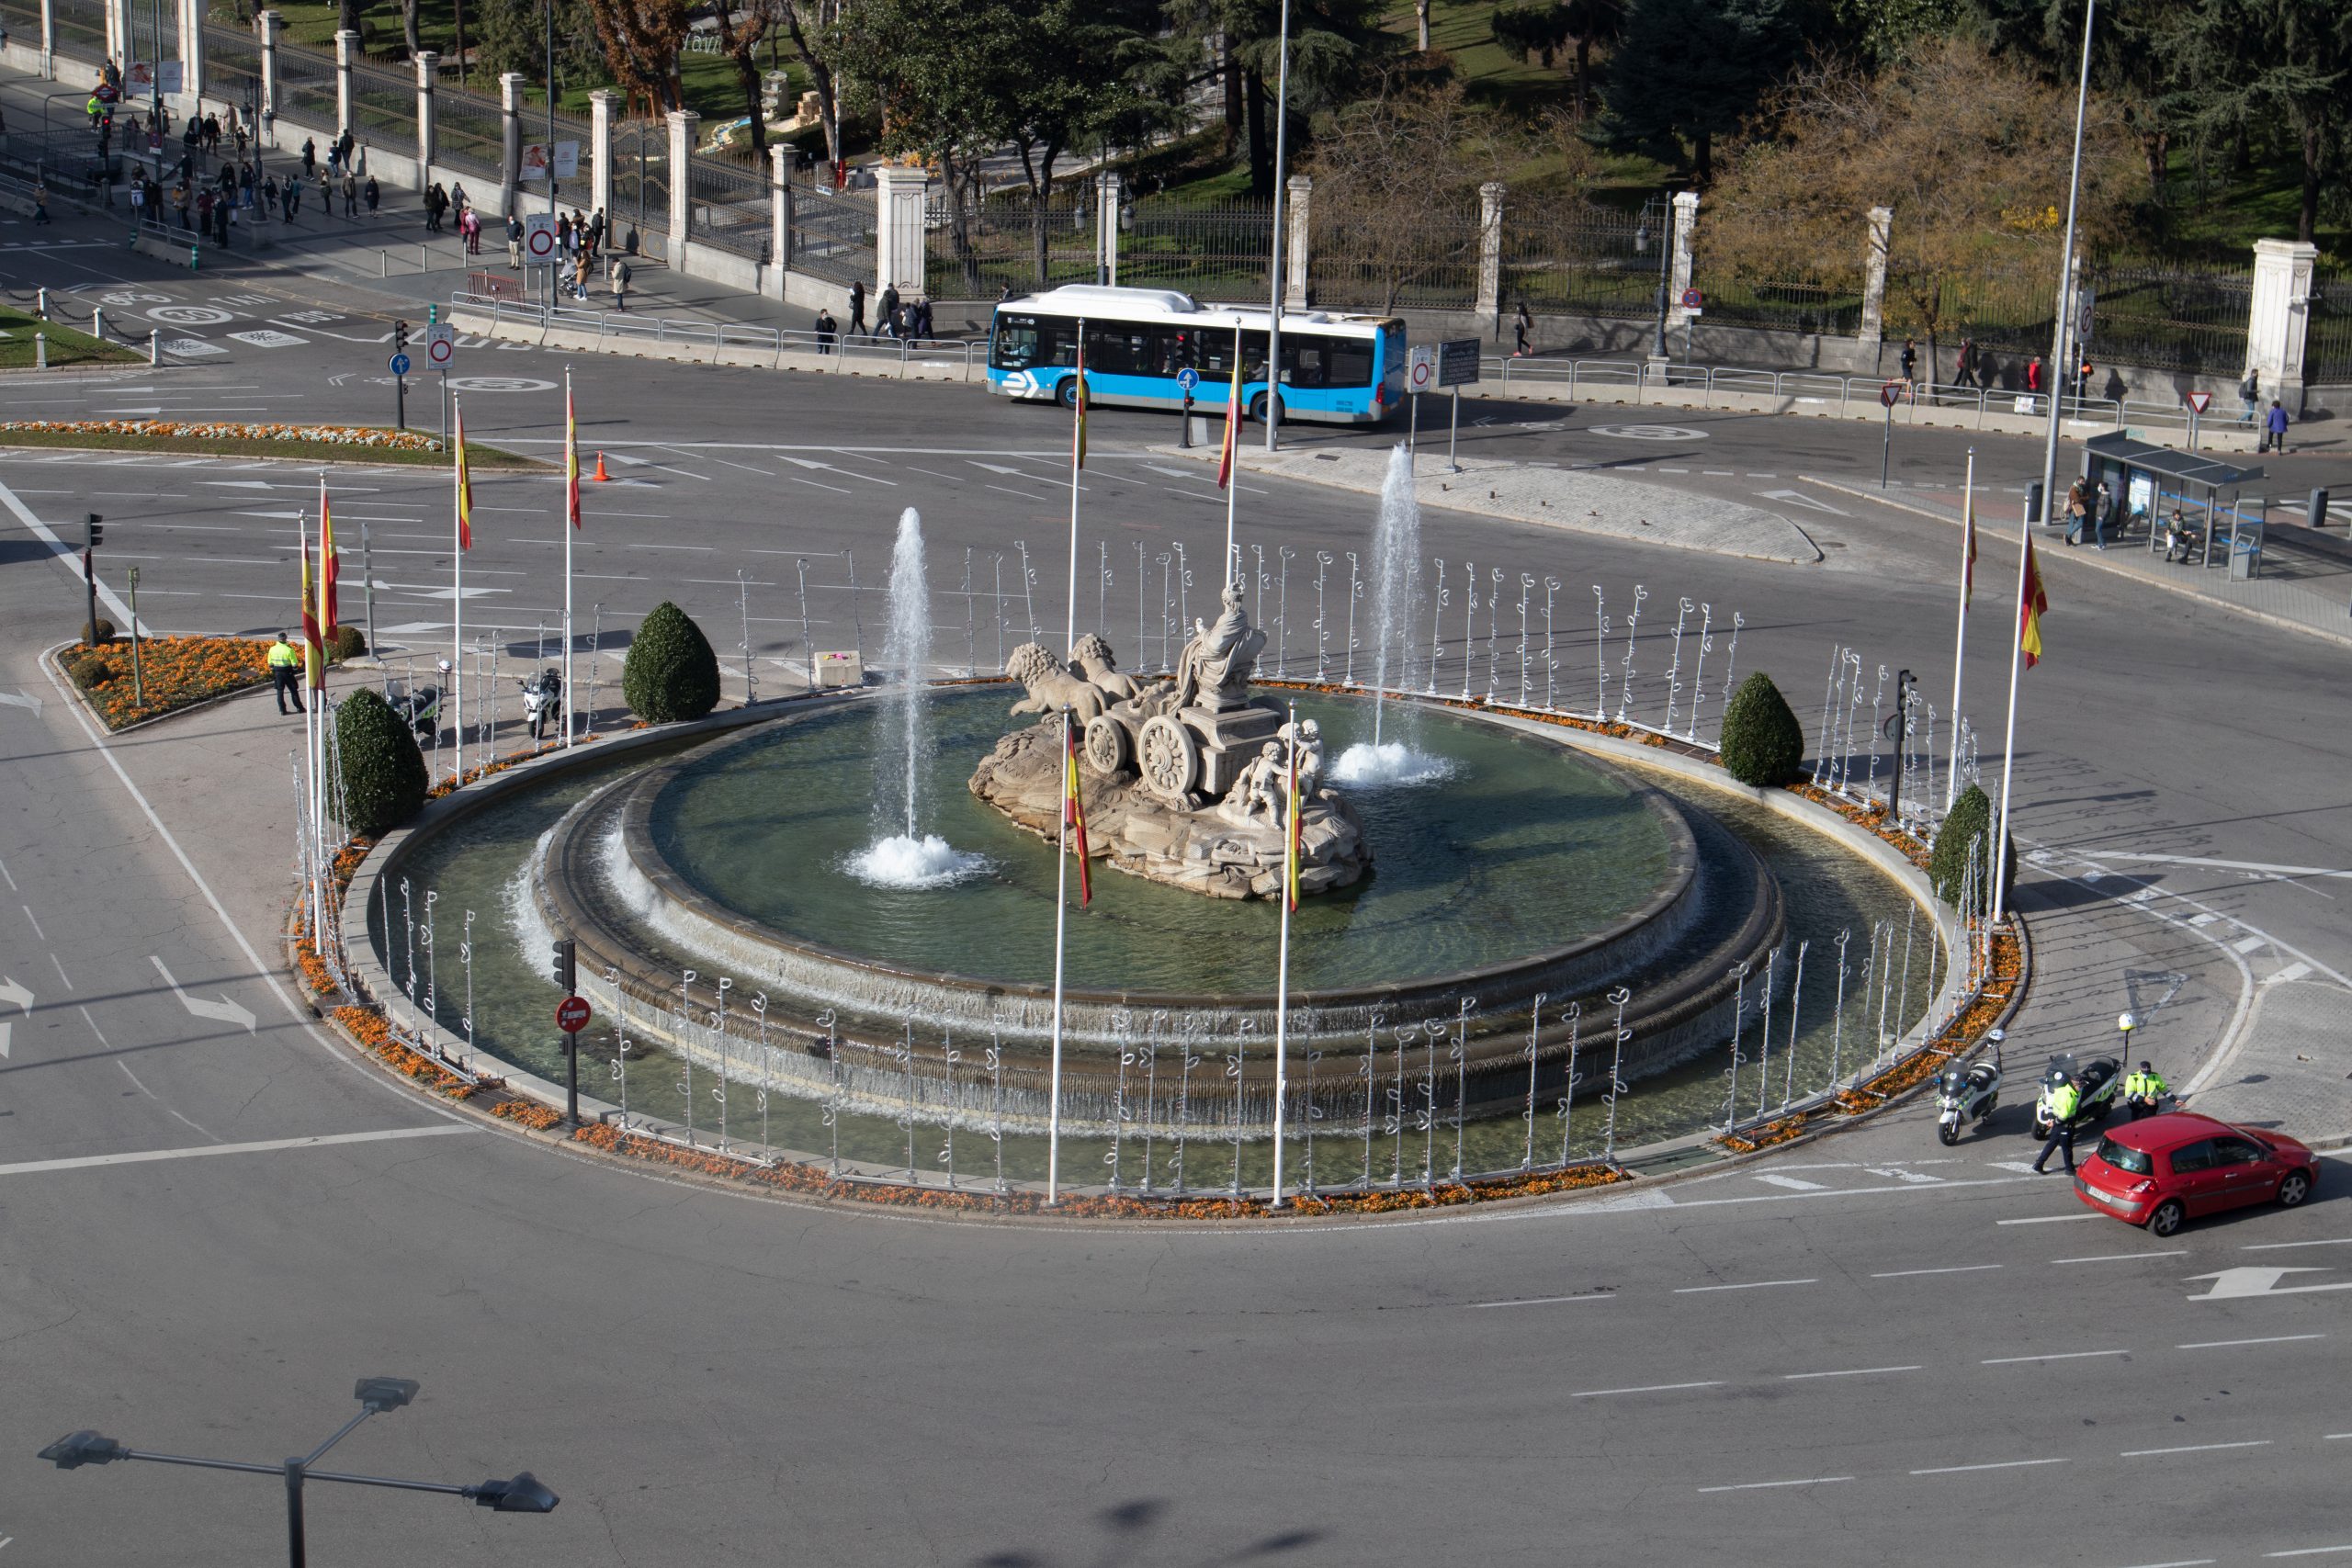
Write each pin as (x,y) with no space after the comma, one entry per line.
(2166,1220)
(1067,393)
(2294,1188)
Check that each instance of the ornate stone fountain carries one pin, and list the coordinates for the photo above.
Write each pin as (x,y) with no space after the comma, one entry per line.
(1187,779)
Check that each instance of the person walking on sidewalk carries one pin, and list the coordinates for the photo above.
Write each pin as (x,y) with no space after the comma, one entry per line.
(375,194)
(857,308)
(514,243)
(2250,394)
(41,202)
(1911,361)
(285,668)
(620,286)
(1521,323)
(2102,508)
(825,328)
(351,199)
(886,317)
(2034,376)
(2274,430)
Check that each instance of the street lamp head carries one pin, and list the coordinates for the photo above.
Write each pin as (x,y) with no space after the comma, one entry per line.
(381,1394)
(2127,1023)
(77,1449)
(525,1493)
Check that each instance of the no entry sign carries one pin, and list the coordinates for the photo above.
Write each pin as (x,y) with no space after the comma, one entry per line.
(1421,372)
(572,1014)
(538,237)
(440,346)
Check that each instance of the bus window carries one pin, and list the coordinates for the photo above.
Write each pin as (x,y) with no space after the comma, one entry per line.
(1174,349)
(1306,361)
(1025,343)
(1351,362)
(1119,350)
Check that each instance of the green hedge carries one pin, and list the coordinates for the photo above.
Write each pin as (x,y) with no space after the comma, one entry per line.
(1762,742)
(1970,822)
(383,773)
(670,672)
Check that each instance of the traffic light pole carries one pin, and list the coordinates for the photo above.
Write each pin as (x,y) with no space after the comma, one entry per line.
(92,537)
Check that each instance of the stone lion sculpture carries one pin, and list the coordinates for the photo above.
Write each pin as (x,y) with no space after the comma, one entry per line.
(1050,687)
(1091,659)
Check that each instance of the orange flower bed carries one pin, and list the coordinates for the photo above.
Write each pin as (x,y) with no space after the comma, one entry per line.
(1764,1137)
(529,1112)
(367,1026)
(174,673)
(218,430)
(1957,1038)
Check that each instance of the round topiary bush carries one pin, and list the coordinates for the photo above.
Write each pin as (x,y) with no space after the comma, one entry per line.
(383,773)
(90,669)
(96,635)
(1968,825)
(349,642)
(1762,742)
(670,672)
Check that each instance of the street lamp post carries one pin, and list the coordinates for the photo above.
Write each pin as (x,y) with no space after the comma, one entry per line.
(1274,268)
(523,1493)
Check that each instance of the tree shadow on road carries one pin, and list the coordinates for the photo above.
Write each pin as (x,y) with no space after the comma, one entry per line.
(1140,1530)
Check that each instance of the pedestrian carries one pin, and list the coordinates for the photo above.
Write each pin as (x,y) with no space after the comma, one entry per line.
(310,157)
(886,317)
(2102,508)
(514,244)
(375,195)
(285,670)
(457,200)
(180,202)
(825,327)
(2082,383)
(473,233)
(620,286)
(922,319)
(2274,430)
(2034,376)
(1964,366)
(2063,1100)
(351,197)
(2250,394)
(2142,1090)
(562,235)
(270,200)
(1911,361)
(41,202)
(596,229)
(293,197)
(2077,511)
(856,308)
(580,276)
(345,146)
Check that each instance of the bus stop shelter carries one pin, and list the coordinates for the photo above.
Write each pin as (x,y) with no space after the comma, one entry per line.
(2148,482)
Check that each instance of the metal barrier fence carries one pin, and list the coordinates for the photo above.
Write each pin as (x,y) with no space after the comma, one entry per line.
(970,355)
(306,88)
(22,17)
(232,64)
(469,130)
(2168,320)
(1213,253)
(80,29)
(728,207)
(997,246)
(1588,264)
(1368,263)
(2327,345)
(383,103)
(831,235)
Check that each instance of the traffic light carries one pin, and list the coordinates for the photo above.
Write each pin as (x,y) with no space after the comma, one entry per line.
(97,534)
(566,966)
(399,336)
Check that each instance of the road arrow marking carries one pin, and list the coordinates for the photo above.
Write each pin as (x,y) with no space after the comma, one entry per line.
(21,700)
(222,1012)
(5,1027)
(992,467)
(1802,500)
(2233,1284)
(12,992)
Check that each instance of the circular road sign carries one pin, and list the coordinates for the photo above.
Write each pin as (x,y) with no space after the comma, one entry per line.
(1692,300)
(1422,373)
(400,364)
(439,352)
(541,243)
(1891,394)
(1188,379)
(572,1014)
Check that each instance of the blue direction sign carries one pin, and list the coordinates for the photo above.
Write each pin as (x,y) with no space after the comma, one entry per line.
(1187,379)
(400,364)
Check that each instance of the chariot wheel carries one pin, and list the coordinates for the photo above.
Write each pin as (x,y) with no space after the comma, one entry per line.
(1106,744)
(1168,759)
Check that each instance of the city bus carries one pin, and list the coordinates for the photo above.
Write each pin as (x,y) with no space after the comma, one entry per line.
(1336,368)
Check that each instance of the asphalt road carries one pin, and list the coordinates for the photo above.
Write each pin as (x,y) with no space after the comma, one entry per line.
(1771,1361)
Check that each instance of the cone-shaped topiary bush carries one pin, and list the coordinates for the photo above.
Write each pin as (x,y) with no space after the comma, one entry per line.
(1969,823)
(383,773)
(670,672)
(1762,744)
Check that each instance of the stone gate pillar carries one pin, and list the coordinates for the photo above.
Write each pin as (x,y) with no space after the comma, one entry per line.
(898,198)
(346,49)
(1686,222)
(1489,305)
(428,65)
(1875,278)
(681,178)
(1298,217)
(600,151)
(2278,317)
(510,141)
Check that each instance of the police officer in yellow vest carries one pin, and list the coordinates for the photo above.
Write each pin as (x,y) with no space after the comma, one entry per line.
(2064,1102)
(2142,1090)
(285,669)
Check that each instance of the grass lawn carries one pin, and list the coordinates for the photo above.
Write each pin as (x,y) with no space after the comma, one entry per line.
(336,453)
(66,346)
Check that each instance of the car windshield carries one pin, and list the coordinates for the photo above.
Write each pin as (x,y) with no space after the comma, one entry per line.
(2123,1156)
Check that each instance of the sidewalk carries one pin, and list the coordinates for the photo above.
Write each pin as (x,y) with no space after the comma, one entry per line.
(2305,583)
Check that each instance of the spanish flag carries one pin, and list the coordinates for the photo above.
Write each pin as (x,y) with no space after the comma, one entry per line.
(315,663)
(2035,601)
(572,454)
(1077,440)
(1232,415)
(1073,812)
(1292,848)
(330,566)
(464,489)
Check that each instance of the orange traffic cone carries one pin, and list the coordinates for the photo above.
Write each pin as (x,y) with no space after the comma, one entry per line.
(601,475)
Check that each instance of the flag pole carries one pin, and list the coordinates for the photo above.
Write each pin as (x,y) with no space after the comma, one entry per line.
(307,834)
(1960,645)
(1281,964)
(1061,908)
(570,526)
(457,592)
(2009,734)
(1077,461)
(1233,438)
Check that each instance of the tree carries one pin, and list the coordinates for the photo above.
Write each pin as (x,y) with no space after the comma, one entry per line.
(1694,70)
(1970,150)
(2237,63)
(1388,166)
(670,672)
(740,37)
(1335,47)
(1762,743)
(383,773)
(815,28)
(642,39)
(1539,30)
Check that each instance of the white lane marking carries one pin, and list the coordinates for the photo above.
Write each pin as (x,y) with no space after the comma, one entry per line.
(2294,971)
(2248,944)
(2047,1220)
(2226,1344)
(2056,1356)
(1912,1177)
(2235,1284)
(59,965)
(2308,1552)
(2003,1464)
(2120,1257)
(2337,1437)
(1651,1198)
(1751,1285)
(1794,1183)
(2217,865)
(1793,496)
(1646,1388)
(1548,1300)
(837,490)
(2193,1448)
(2022,1166)
(35,924)
(1848,1373)
(2181,1562)
(1959,1269)
(1766,1485)
(273,1146)
(63,555)
(2202,920)
(2282,1246)
(21,700)
(222,1012)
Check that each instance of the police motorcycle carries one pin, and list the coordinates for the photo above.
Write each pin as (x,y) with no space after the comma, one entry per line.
(1967,1095)
(2097,1081)
(542,695)
(420,710)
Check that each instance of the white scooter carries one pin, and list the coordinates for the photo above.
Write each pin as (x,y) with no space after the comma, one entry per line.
(1970,1095)
(542,695)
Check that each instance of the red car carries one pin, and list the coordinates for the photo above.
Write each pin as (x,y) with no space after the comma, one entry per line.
(2163,1169)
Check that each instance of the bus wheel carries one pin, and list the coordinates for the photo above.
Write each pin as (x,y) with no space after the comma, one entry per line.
(1067,393)
(1258,409)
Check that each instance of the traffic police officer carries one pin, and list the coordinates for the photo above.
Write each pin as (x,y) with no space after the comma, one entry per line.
(2142,1090)
(285,668)
(2064,1102)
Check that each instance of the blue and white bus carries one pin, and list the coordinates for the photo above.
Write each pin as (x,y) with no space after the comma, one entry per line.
(1337,370)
